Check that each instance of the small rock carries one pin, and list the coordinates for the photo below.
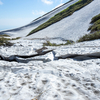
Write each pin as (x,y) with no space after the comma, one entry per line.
(44,81)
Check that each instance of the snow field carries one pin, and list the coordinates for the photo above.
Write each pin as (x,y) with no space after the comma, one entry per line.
(63,79)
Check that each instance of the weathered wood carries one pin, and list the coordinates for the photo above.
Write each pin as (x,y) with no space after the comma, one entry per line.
(13,57)
(74,56)
(29,56)
(81,56)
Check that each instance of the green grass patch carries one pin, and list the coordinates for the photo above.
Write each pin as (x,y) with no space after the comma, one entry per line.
(4,35)
(65,13)
(95,18)
(95,26)
(94,30)
(48,43)
(5,42)
(15,38)
(89,37)
(97,22)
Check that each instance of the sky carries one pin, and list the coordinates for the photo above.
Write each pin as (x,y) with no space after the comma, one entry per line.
(16,13)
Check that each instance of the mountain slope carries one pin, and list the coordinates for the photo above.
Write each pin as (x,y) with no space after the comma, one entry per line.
(71,27)
(63,14)
(23,31)
(68,72)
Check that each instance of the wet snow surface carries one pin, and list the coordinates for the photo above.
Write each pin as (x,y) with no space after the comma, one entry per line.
(63,79)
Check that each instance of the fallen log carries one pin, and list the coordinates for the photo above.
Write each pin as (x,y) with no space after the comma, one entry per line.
(73,56)
(13,57)
(80,56)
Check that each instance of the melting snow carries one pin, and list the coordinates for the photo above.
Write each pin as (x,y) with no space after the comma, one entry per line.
(63,79)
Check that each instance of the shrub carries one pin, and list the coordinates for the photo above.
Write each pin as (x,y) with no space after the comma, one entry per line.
(5,42)
(69,42)
(48,43)
(65,13)
(4,35)
(16,38)
(89,37)
(95,26)
(95,18)
(94,30)
(97,22)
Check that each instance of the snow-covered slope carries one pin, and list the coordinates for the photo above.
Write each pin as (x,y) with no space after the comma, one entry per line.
(71,27)
(23,31)
(52,76)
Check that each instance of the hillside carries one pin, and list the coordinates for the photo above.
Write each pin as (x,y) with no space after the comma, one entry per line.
(24,30)
(66,27)
(63,14)
(72,27)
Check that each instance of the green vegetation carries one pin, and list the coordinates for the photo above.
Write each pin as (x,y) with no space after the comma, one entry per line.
(48,43)
(65,13)
(5,42)
(94,30)
(95,24)
(15,38)
(94,19)
(4,35)
(52,10)
(89,37)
